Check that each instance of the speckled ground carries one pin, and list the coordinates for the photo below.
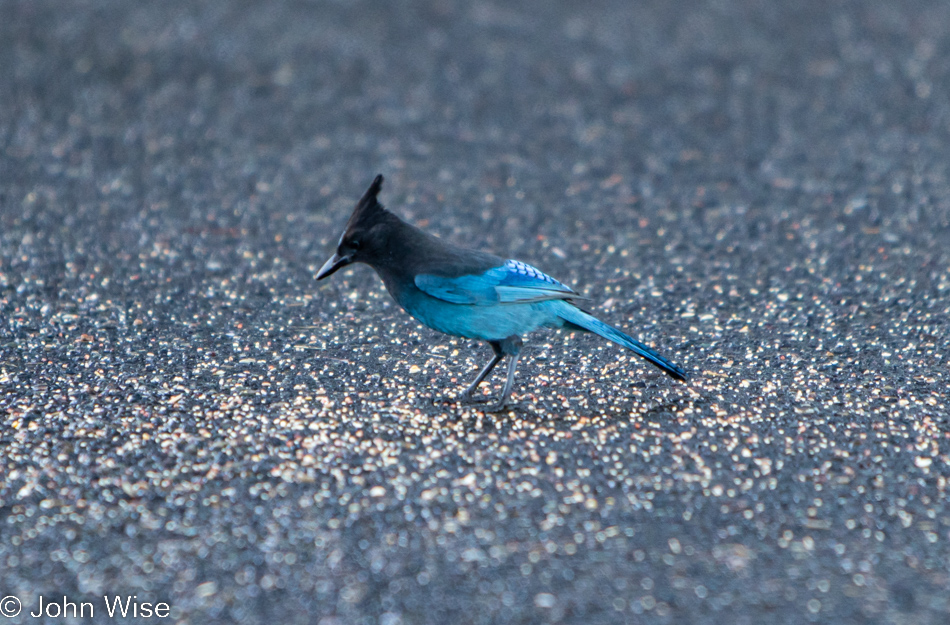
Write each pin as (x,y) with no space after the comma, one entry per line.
(760,191)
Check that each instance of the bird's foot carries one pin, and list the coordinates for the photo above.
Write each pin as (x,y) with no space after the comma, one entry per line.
(493,404)
(467,398)
(496,407)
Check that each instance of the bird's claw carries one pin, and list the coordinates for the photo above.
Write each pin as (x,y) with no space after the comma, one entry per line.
(493,405)
(468,398)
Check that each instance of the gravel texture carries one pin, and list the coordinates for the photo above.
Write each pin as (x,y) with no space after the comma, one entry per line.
(758,189)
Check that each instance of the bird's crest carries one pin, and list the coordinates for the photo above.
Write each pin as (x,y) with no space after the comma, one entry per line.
(368,206)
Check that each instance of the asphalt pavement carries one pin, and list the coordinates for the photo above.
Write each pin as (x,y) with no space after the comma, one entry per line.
(758,190)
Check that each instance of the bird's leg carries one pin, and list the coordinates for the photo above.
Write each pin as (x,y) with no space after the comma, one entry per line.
(511,346)
(499,354)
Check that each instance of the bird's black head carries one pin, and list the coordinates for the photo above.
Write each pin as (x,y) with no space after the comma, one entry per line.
(365,235)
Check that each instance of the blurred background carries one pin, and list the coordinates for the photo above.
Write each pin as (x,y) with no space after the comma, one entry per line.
(758,189)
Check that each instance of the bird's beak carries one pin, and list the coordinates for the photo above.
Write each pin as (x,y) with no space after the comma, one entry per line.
(336,261)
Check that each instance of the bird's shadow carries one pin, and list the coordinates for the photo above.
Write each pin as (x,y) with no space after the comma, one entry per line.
(471,416)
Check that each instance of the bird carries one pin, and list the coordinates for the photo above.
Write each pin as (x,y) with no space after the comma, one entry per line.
(468,293)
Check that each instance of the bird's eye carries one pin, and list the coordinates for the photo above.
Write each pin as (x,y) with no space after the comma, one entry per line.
(355,244)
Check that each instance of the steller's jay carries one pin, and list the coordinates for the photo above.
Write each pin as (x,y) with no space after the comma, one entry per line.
(465,292)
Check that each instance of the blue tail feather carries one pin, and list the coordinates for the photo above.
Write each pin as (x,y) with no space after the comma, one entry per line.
(577,317)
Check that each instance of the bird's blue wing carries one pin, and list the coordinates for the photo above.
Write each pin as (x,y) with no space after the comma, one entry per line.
(478,289)
(512,283)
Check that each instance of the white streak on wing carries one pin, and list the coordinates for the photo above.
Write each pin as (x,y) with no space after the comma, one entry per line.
(527,270)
